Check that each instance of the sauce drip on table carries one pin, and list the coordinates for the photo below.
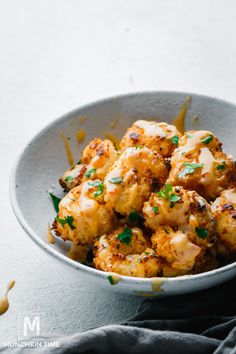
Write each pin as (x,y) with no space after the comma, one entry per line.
(4,303)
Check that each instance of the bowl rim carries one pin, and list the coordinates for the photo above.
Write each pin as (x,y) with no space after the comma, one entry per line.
(68,261)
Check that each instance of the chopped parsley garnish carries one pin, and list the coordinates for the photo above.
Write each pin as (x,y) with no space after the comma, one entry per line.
(189,168)
(111,280)
(207,139)
(221,167)
(155,209)
(125,236)
(100,187)
(135,216)
(68,178)
(201,232)
(175,140)
(78,163)
(166,193)
(90,172)
(116,180)
(67,220)
(55,201)
(139,146)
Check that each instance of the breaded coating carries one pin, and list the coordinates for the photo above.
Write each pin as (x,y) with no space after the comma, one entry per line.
(95,161)
(200,164)
(224,210)
(180,208)
(83,216)
(126,251)
(159,137)
(180,251)
(132,178)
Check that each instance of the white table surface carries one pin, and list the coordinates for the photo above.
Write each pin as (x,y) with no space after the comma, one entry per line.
(57,55)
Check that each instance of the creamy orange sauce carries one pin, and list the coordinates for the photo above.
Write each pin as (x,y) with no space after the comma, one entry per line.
(194,141)
(50,238)
(113,139)
(179,121)
(151,128)
(184,250)
(230,194)
(208,178)
(115,121)
(78,253)
(4,303)
(82,119)
(68,150)
(196,120)
(156,284)
(80,136)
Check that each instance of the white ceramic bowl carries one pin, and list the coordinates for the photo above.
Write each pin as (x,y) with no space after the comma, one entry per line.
(43,161)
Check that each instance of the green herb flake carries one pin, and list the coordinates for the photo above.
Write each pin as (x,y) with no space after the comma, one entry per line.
(139,146)
(67,220)
(221,167)
(68,178)
(201,232)
(189,168)
(55,201)
(99,185)
(175,140)
(166,193)
(207,139)
(155,209)
(90,172)
(116,180)
(111,280)
(135,216)
(125,236)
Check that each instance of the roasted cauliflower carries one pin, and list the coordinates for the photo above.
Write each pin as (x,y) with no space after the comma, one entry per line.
(131,179)
(159,137)
(200,164)
(83,216)
(126,251)
(95,161)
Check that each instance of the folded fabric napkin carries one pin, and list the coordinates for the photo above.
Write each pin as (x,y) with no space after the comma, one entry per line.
(204,322)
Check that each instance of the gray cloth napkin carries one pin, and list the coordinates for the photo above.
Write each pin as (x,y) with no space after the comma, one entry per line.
(204,322)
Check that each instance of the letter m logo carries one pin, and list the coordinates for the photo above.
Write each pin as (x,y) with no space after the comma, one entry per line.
(30,325)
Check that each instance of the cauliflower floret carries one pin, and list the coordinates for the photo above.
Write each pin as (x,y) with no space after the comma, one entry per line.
(126,251)
(180,208)
(224,210)
(83,216)
(180,251)
(200,164)
(159,137)
(95,161)
(131,179)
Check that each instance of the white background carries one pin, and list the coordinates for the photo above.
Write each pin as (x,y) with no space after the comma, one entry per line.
(56,55)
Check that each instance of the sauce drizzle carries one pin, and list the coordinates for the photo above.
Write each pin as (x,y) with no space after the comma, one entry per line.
(113,139)
(80,135)
(179,121)
(68,150)
(156,284)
